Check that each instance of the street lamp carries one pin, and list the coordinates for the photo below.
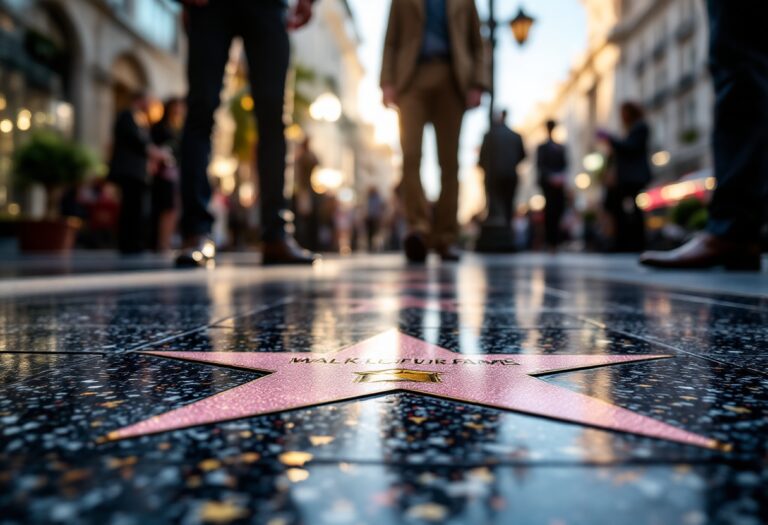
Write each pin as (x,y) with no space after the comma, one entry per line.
(521,26)
(495,234)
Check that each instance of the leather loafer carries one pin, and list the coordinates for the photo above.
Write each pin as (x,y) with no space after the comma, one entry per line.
(415,248)
(196,253)
(286,252)
(707,251)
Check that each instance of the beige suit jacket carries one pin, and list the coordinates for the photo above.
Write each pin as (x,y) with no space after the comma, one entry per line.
(405,33)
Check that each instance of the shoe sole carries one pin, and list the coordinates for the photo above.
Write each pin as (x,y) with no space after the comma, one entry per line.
(729,265)
(287,263)
(189,262)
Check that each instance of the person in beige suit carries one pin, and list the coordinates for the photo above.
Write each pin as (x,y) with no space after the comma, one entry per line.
(433,70)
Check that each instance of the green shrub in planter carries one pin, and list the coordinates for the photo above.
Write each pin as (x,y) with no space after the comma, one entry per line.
(698,221)
(54,162)
(687,208)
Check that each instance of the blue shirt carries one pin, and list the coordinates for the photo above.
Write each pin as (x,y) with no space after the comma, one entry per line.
(436,43)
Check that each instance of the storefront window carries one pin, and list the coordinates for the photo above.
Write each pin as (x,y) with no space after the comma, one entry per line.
(155,20)
(34,74)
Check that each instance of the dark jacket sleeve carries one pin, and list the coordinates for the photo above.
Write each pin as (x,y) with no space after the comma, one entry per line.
(129,150)
(631,154)
(128,135)
(635,143)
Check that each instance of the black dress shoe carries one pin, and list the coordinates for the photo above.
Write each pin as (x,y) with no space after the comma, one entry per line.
(707,251)
(286,251)
(196,253)
(415,248)
(449,253)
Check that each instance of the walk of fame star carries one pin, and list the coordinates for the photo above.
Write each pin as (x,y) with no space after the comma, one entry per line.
(395,362)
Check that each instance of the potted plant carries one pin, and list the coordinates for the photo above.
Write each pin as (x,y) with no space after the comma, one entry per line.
(55,163)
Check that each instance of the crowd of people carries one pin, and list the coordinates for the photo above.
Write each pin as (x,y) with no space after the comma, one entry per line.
(144,165)
(625,174)
(433,70)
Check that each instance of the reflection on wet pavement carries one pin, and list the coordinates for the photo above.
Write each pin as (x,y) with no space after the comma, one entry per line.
(72,370)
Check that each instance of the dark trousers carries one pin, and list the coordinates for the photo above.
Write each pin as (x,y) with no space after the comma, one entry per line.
(628,219)
(371,229)
(211,31)
(553,215)
(134,212)
(739,66)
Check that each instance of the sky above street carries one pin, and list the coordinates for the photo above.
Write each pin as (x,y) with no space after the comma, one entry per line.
(526,75)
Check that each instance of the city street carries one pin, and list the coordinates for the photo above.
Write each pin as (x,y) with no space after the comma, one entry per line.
(534,389)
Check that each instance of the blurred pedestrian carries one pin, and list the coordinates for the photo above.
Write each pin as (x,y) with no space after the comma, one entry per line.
(262,25)
(630,174)
(166,134)
(375,210)
(326,223)
(219,210)
(501,153)
(552,170)
(103,207)
(433,69)
(132,150)
(396,223)
(305,200)
(738,59)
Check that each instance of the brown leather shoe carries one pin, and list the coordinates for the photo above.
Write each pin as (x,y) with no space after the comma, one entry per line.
(449,253)
(707,251)
(415,248)
(286,251)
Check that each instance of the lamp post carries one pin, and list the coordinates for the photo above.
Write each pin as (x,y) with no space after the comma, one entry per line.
(496,236)
(521,28)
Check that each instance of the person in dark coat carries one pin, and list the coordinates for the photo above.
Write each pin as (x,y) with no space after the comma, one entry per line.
(212,25)
(166,134)
(630,175)
(738,59)
(501,153)
(128,169)
(551,166)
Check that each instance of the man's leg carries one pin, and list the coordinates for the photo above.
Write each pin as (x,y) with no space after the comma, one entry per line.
(739,65)
(267,49)
(265,38)
(413,117)
(447,113)
(132,221)
(551,218)
(210,36)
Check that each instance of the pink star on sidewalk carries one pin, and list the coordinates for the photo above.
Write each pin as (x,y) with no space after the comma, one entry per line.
(395,362)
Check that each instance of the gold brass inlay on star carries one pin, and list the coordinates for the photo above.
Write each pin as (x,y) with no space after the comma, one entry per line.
(396,375)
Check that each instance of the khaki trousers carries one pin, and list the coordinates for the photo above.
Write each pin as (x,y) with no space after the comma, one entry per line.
(432,97)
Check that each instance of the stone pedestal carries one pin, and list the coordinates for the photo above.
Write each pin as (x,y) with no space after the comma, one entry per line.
(495,238)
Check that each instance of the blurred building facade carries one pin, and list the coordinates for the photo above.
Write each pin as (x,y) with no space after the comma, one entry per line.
(72,64)
(650,51)
(327,51)
(663,64)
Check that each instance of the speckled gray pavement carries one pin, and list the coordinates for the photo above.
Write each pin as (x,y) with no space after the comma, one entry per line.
(71,371)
